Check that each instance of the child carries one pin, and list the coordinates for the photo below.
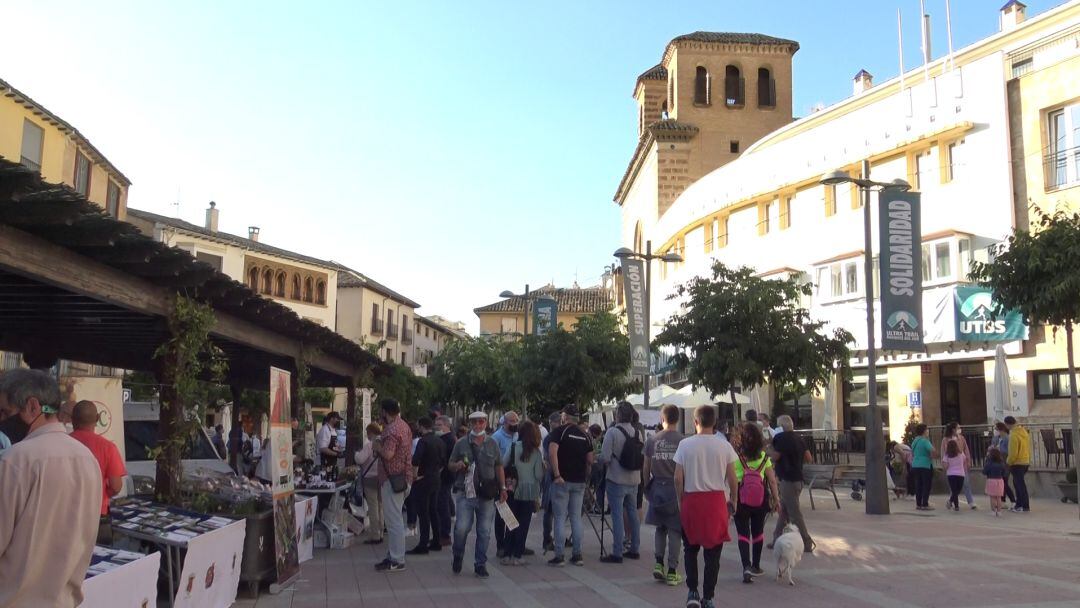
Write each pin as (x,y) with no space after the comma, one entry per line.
(995,473)
(955,462)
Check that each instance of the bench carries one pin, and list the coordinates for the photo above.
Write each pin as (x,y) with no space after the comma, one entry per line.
(822,477)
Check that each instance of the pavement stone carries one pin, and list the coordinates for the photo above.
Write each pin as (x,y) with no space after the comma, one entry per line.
(903,560)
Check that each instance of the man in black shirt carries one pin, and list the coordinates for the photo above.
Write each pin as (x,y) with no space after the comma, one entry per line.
(429,461)
(789,453)
(570,453)
(443,429)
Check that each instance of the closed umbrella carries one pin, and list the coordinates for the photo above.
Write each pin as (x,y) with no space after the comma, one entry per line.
(1002,395)
(828,421)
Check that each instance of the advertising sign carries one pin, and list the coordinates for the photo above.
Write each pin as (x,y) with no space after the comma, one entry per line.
(978,320)
(281,471)
(901,271)
(634,288)
(545,315)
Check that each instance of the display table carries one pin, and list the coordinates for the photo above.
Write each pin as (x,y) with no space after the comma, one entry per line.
(202,553)
(332,513)
(121,579)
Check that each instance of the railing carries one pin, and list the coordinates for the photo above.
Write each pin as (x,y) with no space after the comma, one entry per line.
(1051,444)
(836,446)
(376,327)
(1056,168)
(392,331)
(406,336)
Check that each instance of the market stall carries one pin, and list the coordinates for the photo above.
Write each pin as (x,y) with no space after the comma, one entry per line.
(121,579)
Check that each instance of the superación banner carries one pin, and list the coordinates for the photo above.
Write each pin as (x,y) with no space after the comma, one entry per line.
(901,270)
(634,289)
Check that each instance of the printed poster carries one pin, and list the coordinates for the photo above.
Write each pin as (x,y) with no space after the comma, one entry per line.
(900,262)
(281,470)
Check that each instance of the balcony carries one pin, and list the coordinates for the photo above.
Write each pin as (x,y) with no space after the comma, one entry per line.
(392,331)
(376,327)
(1061,169)
(406,336)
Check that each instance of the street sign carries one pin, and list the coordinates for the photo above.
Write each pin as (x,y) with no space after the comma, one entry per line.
(901,270)
(914,400)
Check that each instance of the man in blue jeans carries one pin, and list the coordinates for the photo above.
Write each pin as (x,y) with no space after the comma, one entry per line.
(622,485)
(570,454)
(477,464)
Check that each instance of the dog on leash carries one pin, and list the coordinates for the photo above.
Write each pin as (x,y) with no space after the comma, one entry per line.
(788,548)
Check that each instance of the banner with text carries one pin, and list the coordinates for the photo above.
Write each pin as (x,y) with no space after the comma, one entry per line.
(634,291)
(901,271)
(979,320)
(281,472)
(545,315)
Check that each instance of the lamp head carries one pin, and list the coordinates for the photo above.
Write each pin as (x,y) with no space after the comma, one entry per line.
(624,252)
(672,258)
(899,184)
(506,293)
(834,178)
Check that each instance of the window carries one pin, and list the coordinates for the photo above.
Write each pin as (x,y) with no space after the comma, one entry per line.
(309,290)
(320,292)
(253,279)
(856,402)
(830,200)
(663,111)
(839,279)
(389,354)
(82,174)
(209,258)
(922,164)
(734,87)
(702,87)
(112,200)
(766,89)
(374,311)
(1021,67)
(33,143)
(267,281)
(1062,163)
(834,280)
(937,261)
(851,278)
(508,325)
(296,292)
(1051,384)
(766,211)
(965,258)
(404,361)
(733,146)
(956,159)
(279,284)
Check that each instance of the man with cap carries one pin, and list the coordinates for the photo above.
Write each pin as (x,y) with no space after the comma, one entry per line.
(50,499)
(505,436)
(85,418)
(570,454)
(476,463)
(326,448)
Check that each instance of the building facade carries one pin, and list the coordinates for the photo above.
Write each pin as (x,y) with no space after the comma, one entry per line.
(305,284)
(950,129)
(432,335)
(371,313)
(507,316)
(35,137)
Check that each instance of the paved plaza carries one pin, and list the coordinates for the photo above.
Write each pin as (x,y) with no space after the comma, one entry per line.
(904,560)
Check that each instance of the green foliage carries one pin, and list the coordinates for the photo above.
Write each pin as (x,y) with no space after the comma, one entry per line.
(475,373)
(1038,272)
(319,397)
(143,385)
(412,392)
(909,429)
(737,328)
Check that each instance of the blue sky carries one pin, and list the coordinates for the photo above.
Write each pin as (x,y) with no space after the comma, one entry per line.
(448,149)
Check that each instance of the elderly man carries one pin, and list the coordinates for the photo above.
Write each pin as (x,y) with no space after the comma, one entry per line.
(789,453)
(478,482)
(505,436)
(85,418)
(50,500)
(444,429)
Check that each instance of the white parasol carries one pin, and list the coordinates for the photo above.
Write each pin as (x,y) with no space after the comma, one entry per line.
(1002,395)
(828,421)
(689,398)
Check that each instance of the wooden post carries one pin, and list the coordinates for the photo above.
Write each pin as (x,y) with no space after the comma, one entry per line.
(235,445)
(352,419)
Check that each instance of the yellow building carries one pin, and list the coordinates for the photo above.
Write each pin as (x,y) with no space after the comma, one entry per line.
(507,316)
(41,140)
(371,313)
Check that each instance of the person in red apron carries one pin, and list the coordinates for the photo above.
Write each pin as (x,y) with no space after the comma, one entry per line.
(705,482)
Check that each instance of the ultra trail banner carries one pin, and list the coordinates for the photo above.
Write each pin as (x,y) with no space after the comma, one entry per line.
(900,263)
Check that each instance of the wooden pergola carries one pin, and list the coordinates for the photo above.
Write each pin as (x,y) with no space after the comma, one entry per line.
(77,284)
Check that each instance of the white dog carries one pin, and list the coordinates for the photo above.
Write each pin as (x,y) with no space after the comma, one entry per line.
(789,550)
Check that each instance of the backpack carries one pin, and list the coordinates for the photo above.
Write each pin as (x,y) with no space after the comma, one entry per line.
(752,486)
(632,455)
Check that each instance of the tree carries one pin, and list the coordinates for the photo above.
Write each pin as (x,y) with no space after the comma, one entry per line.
(737,328)
(476,373)
(1038,273)
(412,392)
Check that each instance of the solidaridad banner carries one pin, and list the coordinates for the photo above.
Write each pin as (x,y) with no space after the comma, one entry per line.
(901,271)
(545,315)
(634,289)
(978,318)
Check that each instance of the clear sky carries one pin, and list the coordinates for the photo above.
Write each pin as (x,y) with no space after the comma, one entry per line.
(450,150)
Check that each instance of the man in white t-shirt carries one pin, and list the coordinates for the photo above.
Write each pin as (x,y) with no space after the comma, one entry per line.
(326,448)
(706,485)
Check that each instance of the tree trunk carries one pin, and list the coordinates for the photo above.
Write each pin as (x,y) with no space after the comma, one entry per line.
(234,446)
(167,482)
(352,421)
(1073,407)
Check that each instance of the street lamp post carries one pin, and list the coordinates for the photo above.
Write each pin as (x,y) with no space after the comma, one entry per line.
(623,253)
(877,495)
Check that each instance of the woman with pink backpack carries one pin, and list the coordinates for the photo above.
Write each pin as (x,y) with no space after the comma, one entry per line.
(758,495)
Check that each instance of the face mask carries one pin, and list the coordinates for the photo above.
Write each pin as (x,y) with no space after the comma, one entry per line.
(513,428)
(476,433)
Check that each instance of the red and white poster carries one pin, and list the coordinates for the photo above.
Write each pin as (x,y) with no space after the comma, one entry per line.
(281,471)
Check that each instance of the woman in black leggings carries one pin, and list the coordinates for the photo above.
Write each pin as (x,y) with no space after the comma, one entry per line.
(758,495)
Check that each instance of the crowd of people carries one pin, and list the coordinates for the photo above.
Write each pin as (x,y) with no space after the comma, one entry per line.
(480,478)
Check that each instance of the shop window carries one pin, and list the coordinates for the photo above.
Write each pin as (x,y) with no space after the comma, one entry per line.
(766,89)
(33,145)
(734,87)
(702,86)
(82,174)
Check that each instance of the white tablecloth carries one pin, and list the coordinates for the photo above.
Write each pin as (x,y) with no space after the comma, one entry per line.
(212,568)
(133,585)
